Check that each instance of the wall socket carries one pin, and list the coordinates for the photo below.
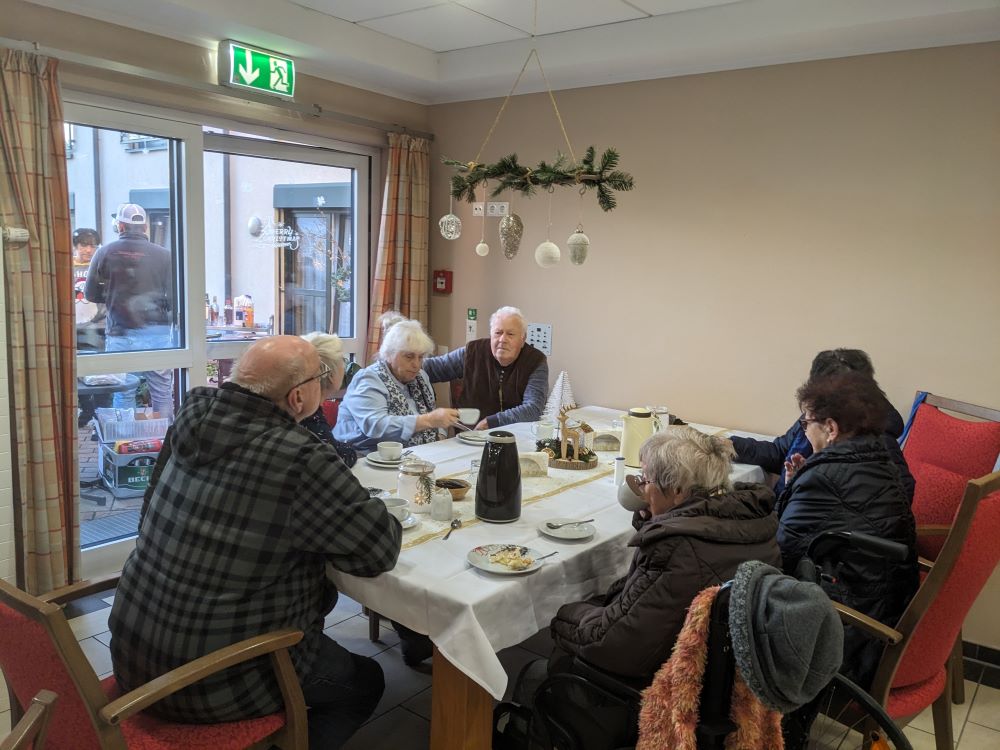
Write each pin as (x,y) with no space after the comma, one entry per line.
(477,209)
(497,208)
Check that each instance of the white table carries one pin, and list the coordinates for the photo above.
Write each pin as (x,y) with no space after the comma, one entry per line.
(470,614)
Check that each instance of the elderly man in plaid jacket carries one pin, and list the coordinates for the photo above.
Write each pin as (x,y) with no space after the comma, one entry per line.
(243,512)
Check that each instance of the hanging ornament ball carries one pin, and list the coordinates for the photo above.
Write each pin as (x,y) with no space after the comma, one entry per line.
(547,254)
(578,244)
(450,226)
(511,230)
(482,249)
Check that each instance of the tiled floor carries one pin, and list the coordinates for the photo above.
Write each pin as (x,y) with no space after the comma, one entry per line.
(402,718)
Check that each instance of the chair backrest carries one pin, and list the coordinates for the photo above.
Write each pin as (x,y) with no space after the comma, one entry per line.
(39,651)
(934,617)
(29,732)
(330,410)
(943,453)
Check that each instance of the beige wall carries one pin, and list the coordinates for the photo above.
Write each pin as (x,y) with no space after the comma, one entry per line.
(778,211)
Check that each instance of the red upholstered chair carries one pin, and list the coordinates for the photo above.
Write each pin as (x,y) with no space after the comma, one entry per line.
(913,672)
(944,452)
(29,732)
(38,649)
(330,411)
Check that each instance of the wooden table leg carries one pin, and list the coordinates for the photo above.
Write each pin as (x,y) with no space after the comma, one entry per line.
(461,711)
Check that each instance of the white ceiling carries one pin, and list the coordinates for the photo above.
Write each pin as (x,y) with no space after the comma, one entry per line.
(433,51)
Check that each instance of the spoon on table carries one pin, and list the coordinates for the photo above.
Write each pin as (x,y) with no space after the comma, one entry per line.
(454,525)
(551,525)
(542,557)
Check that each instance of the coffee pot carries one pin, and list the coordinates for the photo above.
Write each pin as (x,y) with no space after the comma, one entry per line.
(498,487)
(637,426)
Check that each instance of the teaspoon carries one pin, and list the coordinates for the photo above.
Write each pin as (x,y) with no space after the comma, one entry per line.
(551,525)
(454,525)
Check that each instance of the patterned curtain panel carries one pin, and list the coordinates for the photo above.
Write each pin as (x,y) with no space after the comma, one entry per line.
(401,268)
(41,345)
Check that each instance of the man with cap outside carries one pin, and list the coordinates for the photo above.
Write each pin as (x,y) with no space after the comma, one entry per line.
(133,277)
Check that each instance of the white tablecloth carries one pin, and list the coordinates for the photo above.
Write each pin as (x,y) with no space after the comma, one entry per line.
(470,614)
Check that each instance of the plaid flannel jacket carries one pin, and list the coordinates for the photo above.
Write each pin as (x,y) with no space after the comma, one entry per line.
(243,513)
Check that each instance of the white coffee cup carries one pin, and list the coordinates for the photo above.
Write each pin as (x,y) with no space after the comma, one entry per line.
(390,450)
(397,507)
(468,415)
(543,430)
(628,499)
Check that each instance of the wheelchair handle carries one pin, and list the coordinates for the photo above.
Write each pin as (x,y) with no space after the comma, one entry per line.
(859,540)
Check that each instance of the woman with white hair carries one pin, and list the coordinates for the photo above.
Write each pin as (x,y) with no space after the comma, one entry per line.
(331,354)
(393,399)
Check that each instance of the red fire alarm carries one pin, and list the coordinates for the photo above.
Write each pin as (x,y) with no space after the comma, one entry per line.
(442,282)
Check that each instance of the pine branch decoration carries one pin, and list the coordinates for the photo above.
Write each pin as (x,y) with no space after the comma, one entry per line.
(509,174)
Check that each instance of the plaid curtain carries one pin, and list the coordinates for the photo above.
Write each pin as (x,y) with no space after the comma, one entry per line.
(41,346)
(401,268)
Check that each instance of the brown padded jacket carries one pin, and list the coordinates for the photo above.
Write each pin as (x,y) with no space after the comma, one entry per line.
(631,630)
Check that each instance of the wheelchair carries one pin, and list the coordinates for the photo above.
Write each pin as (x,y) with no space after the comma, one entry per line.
(587,708)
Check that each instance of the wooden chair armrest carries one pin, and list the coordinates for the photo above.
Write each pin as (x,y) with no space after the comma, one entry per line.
(146,695)
(924,564)
(32,726)
(80,589)
(933,529)
(869,625)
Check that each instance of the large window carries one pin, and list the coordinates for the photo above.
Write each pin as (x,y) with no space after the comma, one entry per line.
(240,238)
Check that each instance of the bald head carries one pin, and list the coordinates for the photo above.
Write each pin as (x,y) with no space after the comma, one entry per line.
(274,366)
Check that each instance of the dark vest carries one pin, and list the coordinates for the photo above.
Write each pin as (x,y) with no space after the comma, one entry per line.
(491,388)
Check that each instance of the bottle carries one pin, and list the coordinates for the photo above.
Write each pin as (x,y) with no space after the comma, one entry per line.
(208,309)
(239,305)
(215,310)
(248,312)
(229,312)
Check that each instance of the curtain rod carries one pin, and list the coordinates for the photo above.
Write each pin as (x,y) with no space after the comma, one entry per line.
(311,110)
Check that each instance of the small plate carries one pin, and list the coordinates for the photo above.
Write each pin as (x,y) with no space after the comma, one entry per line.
(479,557)
(580,531)
(473,437)
(410,521)
(379,463)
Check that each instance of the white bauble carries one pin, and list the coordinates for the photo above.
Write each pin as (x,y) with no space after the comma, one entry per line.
(450,226)
(547,254)
(482,249)
(578,244)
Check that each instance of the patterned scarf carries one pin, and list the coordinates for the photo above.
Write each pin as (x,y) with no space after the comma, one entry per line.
(399,405)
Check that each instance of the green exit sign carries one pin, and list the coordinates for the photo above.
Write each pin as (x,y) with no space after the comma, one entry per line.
(246,67)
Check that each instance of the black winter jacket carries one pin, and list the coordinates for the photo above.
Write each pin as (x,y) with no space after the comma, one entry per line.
(631,630)
(853,485)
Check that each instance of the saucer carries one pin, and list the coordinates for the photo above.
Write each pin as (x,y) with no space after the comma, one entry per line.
(379,463)
(473,437)
(579,531)
(409,522)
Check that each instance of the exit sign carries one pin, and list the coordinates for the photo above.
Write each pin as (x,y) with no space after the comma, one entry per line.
(246,67)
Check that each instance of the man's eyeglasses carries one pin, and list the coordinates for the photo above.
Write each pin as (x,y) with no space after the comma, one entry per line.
(324,372)
(804,422)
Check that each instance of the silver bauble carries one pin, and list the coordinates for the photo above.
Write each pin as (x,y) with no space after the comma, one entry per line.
(511,229)
(578,244)
(482,249)
(450,226)
(547,254)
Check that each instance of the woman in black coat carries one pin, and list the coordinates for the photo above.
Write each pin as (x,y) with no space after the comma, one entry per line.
(849,483)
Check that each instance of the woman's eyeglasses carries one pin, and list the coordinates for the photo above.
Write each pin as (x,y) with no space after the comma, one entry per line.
(324,372)
(804,422)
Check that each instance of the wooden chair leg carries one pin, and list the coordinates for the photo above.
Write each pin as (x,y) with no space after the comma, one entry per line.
(956,672)
(941,712)
(373,623)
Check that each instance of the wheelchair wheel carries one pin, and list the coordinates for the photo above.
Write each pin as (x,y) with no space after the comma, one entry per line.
(849,718)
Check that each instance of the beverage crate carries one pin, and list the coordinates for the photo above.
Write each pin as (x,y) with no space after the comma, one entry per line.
(126,474)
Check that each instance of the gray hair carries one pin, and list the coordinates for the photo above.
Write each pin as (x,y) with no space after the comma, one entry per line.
(274,382)
(682,458)
(403,335)
(513,312)
(331,354)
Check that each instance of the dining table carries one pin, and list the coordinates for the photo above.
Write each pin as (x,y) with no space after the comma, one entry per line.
(470,614)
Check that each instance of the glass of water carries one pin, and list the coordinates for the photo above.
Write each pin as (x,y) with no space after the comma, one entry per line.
(474,470)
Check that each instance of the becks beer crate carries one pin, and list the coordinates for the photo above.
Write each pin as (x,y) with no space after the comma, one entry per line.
(127,474)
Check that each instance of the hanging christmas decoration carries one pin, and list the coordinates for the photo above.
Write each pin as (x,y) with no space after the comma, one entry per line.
(511,231)
(547,254)
(449,224)
(578,244)
(482,249)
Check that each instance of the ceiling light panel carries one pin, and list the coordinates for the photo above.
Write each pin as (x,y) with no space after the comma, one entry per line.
(554,15)
(662,7)
(445,27)
(364,10)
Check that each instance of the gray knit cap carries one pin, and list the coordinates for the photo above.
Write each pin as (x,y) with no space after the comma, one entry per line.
(787,637)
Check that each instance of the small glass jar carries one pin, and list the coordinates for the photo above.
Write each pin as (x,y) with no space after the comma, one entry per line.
(415,484)
(441,505)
